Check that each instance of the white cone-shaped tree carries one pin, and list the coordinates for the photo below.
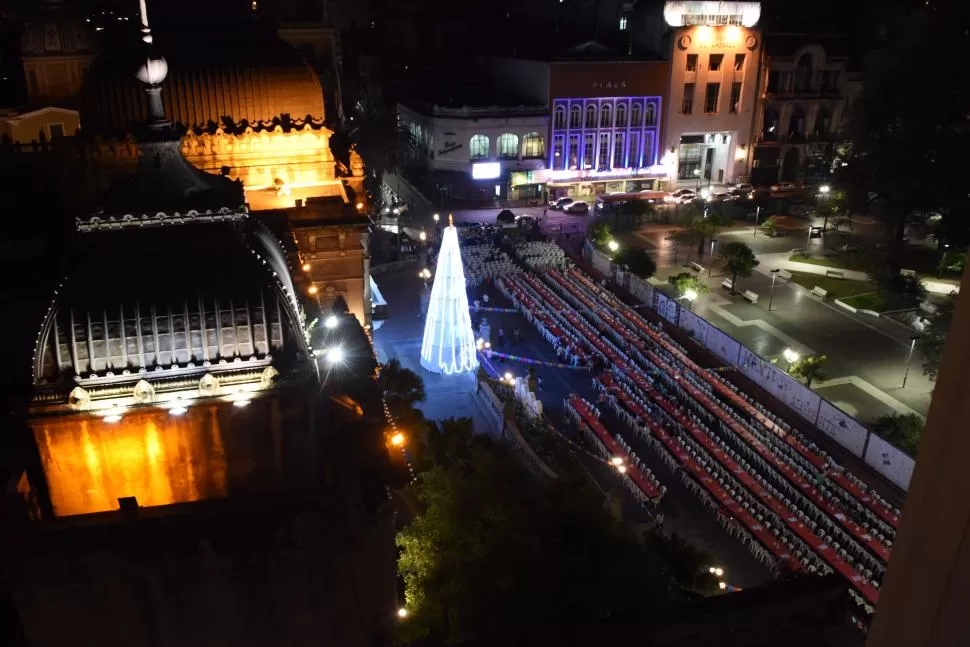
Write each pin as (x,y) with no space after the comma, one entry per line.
(449,341)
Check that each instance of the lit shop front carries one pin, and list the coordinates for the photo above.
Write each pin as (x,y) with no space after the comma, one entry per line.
(577,183)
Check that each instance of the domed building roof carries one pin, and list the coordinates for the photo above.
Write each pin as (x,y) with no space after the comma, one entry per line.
(168,302)
(57,31)
(239,75)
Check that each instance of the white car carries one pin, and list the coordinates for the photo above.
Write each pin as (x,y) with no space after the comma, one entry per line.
(682,196)
(560,204)
(782,187)
(579,207)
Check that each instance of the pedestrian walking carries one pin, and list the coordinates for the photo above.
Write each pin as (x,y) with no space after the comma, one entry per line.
(539,383)
(516,336)
(501,337)
(485,299)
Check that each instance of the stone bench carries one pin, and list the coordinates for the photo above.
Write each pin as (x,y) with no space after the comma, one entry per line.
(786,276)
(819,292)
(834,274)
(750,296)
(697,267)
(727,284)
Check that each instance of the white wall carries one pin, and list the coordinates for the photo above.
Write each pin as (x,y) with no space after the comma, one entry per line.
(705,41)
(452,137)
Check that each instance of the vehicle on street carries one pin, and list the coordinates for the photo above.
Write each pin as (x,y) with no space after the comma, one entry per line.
(782,187)
(525,220)
(560,204)
(682,196)
(579,208)
(742,191)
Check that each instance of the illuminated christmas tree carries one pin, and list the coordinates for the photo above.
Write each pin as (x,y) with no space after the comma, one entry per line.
(449,342)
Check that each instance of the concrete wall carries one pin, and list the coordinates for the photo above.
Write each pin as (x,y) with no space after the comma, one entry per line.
(27,127)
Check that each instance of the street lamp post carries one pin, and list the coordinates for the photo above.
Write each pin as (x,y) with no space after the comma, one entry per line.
(757,217)
(710,261)
(791,357)
(771,291)
(909,358)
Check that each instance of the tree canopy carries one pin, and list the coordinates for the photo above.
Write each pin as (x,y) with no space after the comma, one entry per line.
(403,389)
(685,281)
(903,430)
(933,340)
(906,152)
(738,259)
(499,557)
(599,233)
(809,369)
(637,260)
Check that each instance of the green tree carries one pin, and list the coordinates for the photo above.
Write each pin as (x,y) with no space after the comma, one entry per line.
(738,259)
(708,228)
(933,340)
(688,281)
(637,260)
(906,153)
(809,369)
(835,206)
(403,390)
(599,233)
(903,430)
(499,557)
(768,227)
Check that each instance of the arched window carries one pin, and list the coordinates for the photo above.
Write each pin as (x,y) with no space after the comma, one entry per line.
(606,117)
(796,126)
(636,114)
(533,146)
(591,116)
(575,114)
(651,114)
(621,116)
(822,121)
(803,73)
(560,119)
(508,146)
(478,147)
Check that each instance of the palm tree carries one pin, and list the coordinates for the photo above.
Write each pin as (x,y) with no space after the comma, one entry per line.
(402,387)
(450,440)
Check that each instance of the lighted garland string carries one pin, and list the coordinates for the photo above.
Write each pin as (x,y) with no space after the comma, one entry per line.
(536,362)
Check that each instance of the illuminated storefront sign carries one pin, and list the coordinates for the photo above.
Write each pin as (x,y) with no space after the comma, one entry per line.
(486,170)
(606,174)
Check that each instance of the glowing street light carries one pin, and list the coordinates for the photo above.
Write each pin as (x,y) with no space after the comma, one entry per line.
(716,570)
(425,274)
(613,245)
(791,356)
(616,460)
(360,206)
(509,377)
(824,189)
(335,355)
(306,267)
(331,322)
(313,289)
(422,236)
(398,439)
(721,585)
(402,613)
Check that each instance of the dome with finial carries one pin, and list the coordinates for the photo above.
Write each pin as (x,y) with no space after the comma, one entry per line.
(57,31)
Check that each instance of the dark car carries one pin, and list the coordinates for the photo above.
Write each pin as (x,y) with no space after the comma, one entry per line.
(505,217)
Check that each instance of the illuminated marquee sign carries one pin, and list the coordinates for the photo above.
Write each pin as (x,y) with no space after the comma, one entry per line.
(486,171)
(609,85)
(605,174)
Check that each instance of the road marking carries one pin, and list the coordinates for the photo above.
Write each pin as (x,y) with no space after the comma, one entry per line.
(870,389)
(759,323)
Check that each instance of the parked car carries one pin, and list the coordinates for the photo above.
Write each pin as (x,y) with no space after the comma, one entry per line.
(741,191)
(525,220)
(560,204)
(682,196)
(782,187)
(579,207)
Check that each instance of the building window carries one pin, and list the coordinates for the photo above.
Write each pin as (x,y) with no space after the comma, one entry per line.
(830,81)
(508,146)
(558,157)
(822,121)
(692,62)
(687,106)
(573,153)
(618,150)
(735,97)
(714,62)
(621,116)
(652,113)
(560,118)
(606,117)
(591,116)
(636,114)
(56,130)
(648,156)
(533,146)
(710,98)
(588,151)
(622,23)
(604,152)
(575,114)
(738,62)
(634,159)
(478,147)
(803,73)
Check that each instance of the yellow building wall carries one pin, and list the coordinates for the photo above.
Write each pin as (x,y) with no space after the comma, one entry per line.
(55,78)
(26,128)
(160,459)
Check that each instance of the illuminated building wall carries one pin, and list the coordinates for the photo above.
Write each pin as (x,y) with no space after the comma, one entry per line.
(606,121)
(714,68)
(212,451)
